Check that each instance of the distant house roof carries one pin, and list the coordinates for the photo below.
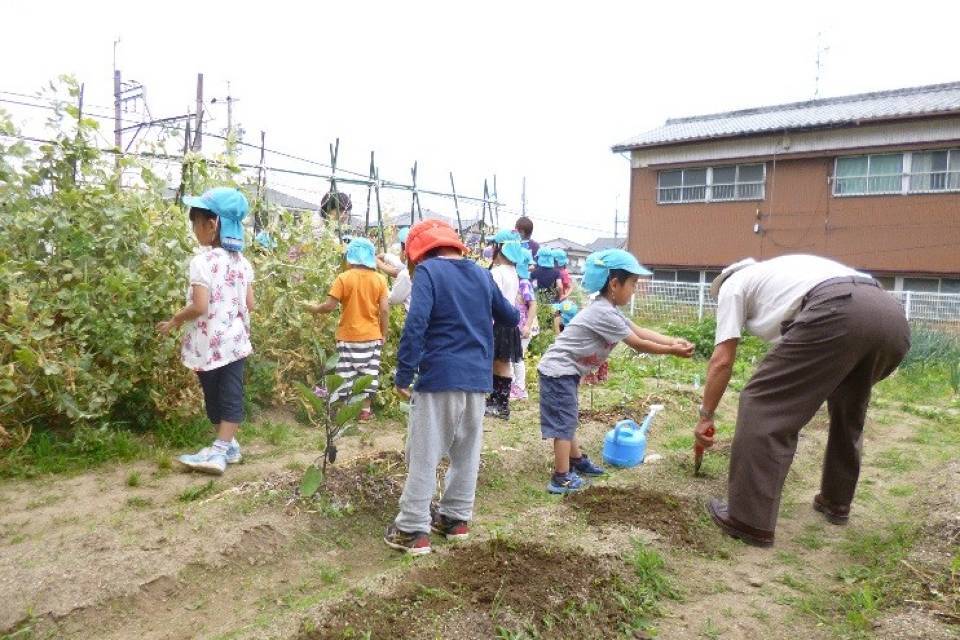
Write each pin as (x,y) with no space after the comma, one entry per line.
(287,201)
(607,243)
(936,99)
(272,196)
(566,245)
(403,219)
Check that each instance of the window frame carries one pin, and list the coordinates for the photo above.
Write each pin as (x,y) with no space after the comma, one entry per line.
(867,177)
(906,175)
(708,188)
(952,154)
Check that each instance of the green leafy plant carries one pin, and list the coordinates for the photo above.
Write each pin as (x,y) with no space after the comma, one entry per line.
(332,413)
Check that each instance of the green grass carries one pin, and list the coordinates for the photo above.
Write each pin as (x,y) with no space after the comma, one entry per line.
(133,480)
(136,502)
(811,538)
(273,433)
(86,448)
(873,581)
(196,492)
(897,460)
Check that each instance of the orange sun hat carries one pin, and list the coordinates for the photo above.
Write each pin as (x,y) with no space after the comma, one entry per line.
(428,235)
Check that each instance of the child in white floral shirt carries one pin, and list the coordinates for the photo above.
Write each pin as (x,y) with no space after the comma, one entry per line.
(216,339)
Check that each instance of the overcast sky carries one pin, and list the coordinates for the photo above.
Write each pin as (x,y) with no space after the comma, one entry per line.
(515,89)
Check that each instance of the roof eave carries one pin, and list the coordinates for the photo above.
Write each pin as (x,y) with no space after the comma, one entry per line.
(624,147)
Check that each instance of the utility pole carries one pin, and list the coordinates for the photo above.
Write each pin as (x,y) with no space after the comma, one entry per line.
(198,134)
(523,197)
(229,100)
(117,119)
(821,52)
(616,222)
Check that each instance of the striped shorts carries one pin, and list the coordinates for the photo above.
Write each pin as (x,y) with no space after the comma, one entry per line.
(358,359)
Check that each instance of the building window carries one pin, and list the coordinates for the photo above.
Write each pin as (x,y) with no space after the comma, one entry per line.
(935,171)
(741,182)
(865,175)
(922,285)
(889,283)
(950,285)
(665,275)
(711,184)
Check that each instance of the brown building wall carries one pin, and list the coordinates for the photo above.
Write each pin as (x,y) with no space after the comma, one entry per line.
(883,234)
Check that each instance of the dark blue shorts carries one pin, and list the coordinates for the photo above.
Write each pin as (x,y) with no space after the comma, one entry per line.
(559,412)
(223,392)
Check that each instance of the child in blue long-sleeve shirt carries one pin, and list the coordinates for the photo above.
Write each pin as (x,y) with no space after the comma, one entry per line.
(447,341)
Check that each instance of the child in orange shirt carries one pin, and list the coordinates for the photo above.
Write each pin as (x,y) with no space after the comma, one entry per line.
(364,319)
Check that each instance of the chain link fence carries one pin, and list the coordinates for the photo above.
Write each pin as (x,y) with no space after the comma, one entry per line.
(690,302)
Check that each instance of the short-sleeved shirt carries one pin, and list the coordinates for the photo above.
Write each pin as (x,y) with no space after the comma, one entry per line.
(525,296)
(763,296)
(531,244)
(586,342)
(222,335)
(545,279)
(359,291)
(505,275)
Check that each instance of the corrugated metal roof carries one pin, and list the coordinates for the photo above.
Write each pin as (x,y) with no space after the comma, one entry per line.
(607,243)
(828,112)
(566,245)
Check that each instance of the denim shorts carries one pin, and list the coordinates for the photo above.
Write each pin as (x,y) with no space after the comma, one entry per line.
(559,412)
(223,392)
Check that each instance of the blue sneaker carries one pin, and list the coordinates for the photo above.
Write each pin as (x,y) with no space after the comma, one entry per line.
(206,460)
(567,483)
(585,467)
(233,452)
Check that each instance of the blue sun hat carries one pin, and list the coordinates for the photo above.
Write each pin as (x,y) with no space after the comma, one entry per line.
(509,241)
(546,258)
(402,235)
(523,266)
(505,235)
(231,207)
(560,257)
(599,263)
(567,309)
(361,252)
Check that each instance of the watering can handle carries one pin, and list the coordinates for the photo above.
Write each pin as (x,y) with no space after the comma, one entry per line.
(616,432)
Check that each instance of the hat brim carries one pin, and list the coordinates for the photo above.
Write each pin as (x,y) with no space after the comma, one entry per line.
(726,273)
(196,201)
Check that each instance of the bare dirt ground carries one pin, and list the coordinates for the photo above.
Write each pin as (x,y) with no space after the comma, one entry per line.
(90,556)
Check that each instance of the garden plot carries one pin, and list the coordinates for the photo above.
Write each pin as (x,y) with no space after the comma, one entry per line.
(141,548)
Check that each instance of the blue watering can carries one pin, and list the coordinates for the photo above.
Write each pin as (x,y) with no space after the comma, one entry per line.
(626,444)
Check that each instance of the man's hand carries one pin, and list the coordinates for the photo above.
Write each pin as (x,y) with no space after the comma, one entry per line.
(312,308)
(701,430)
(166,327)
(403,393)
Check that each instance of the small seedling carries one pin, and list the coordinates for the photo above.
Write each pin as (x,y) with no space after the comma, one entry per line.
(333,412)
(133,480)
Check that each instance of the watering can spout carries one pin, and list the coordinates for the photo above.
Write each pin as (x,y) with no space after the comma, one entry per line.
(654,410)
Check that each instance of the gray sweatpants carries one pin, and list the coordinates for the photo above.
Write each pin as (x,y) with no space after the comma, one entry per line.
(443,423)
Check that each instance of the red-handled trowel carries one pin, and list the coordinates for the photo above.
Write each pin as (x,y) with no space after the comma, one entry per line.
(698,451)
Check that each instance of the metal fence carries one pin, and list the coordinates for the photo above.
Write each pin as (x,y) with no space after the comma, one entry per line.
(689,302)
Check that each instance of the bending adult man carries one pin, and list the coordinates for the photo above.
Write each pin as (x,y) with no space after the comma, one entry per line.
(835,333)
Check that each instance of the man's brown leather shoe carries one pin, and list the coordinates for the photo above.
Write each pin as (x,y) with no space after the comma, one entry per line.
(735,529)
(834,513)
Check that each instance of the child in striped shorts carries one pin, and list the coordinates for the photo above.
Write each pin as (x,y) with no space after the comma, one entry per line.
(363,294)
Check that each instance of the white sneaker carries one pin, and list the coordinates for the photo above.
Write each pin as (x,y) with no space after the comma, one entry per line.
(207,460)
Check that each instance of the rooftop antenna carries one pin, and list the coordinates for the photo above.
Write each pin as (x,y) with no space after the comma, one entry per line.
(821,54)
